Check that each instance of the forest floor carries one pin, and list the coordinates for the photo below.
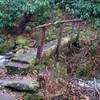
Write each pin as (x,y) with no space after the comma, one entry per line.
(71,61)
(82,63)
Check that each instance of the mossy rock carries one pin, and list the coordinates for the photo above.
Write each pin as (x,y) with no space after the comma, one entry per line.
(21,40)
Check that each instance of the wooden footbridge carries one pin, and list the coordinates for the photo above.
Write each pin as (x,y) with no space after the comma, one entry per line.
(22,62)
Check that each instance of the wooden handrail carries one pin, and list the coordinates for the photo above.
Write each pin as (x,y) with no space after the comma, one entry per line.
(42,38)
(58,22)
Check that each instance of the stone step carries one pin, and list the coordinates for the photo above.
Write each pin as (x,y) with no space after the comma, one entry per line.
(26,57)
(49,47)
(17,68)
(5,97)
(20,64)
(20,85)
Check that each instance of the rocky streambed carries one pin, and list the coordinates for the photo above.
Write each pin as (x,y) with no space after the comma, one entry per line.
(3,60)
(26,85)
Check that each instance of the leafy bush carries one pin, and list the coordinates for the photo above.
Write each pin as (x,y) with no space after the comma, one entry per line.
(6,43)
(88,10)
(83,70)
(35,96)
(10,10)
(51,34)
(20,40)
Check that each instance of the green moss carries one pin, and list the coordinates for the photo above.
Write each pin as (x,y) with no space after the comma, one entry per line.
(35,35)
(21,40)
(83,70)
(35,96)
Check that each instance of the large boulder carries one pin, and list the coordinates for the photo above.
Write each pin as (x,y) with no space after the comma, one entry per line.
(21,85)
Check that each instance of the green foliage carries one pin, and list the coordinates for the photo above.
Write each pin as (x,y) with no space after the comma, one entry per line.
(58,69)
(5,43)
(21,40)
(57,13)
(10,10)
(35,35)
(2,43)
(83,70)
(51,34)
(88,10)
(35,96)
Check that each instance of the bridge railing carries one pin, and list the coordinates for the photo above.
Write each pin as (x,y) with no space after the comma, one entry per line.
(41,39)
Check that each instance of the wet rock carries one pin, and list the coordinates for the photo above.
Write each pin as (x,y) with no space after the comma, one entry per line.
(87,84)
(4,97)
(26,57)
(21,85)
(47,51)
(20,52)
(32,44)
(17,68)
(9,55)
(2,61)
(23,60)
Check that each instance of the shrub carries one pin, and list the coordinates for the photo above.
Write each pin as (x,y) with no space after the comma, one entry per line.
(83,70)
(11,10)
(6,43)
(88,10)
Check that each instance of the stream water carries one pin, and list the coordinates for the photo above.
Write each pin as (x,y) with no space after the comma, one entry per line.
(3,60)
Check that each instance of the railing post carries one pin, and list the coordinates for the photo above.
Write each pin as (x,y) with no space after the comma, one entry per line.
(42,38)
(41,41)
(60,31)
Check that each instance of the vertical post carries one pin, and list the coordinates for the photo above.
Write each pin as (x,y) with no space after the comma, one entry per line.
(41,41)
(60,31)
